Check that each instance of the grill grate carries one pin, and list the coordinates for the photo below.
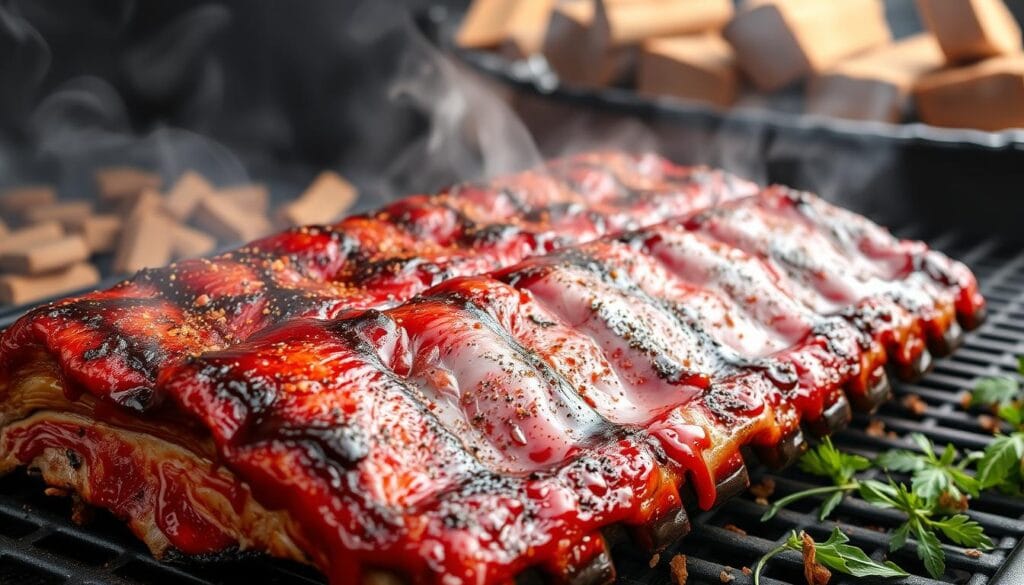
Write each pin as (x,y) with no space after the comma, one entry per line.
(39,545)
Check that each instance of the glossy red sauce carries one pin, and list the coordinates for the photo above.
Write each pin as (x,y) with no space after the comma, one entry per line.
(499,422)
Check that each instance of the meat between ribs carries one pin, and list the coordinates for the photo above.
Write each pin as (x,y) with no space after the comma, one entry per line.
(78,394)
(498,422)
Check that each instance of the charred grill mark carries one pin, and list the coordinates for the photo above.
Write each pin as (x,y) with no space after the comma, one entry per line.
(489,235)
(619,473)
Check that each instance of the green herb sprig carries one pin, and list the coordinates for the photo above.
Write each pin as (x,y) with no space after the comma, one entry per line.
(940,484)
(933,477)
(825,460)
(835,554)
(925,522)
(1001,464)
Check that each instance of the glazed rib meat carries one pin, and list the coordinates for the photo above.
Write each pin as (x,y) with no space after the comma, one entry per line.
(500,423)
(112,343)
(79,400)
(504,418)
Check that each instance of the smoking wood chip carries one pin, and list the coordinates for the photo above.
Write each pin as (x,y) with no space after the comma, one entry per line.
(30,236)
(100,232)
(735,529)
(988,423)
(814,572)
(145,241)
(147,201)
(778,42)
(186,193)
(64,212)
(875,428)
(965,400)
(117,183)
(915,404)
(678,567)
(594,42)
(971,29)
(254,198)
(190,243)
(323,201)
(516,26)
(228,222)
(17,289)
(45,257)
(16,200)
(692,67)
(988,95)
(877,85)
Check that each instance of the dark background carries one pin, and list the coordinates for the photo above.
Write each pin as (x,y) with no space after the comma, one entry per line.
(275,91)
(232,88)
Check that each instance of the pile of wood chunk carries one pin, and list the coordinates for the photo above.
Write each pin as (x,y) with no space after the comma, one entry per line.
(135,223)
(965,70)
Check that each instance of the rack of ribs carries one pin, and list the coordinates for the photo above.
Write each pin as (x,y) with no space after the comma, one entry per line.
(476,386)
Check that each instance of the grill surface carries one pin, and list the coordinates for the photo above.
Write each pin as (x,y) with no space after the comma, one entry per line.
(39,545)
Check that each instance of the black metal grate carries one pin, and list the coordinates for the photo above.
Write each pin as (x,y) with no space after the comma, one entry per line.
(39,545)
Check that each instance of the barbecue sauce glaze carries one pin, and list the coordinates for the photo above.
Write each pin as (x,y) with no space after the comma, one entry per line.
(497,423)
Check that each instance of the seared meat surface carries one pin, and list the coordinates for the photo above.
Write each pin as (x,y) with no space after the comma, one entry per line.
(521,400)
(99,356)
(113,343)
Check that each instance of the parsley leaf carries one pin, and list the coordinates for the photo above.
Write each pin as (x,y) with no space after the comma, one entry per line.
(827,461)
(835,554)
(963,531)
(934,477)
(929,550)
(999,390)
(920,512)
(1000,464)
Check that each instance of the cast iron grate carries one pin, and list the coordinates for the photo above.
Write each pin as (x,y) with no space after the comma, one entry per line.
(39,545)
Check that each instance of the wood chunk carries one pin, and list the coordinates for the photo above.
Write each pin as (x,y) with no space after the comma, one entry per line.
(39,233)
(971,29)
(254,198)
(17,200)
(190,243)
(698,67)
(518,26)
(573,50)
(594,42)
(45,257)
(988,95)
(677,565)
(100,232)
(323,201)
(186,193)
(16,289)
(63,212)
(117,183)
(145,241)
(778,42)
(228,222)
(148,201)
(877,85)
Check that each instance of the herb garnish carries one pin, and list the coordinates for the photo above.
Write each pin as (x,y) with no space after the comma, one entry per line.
(835,554)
